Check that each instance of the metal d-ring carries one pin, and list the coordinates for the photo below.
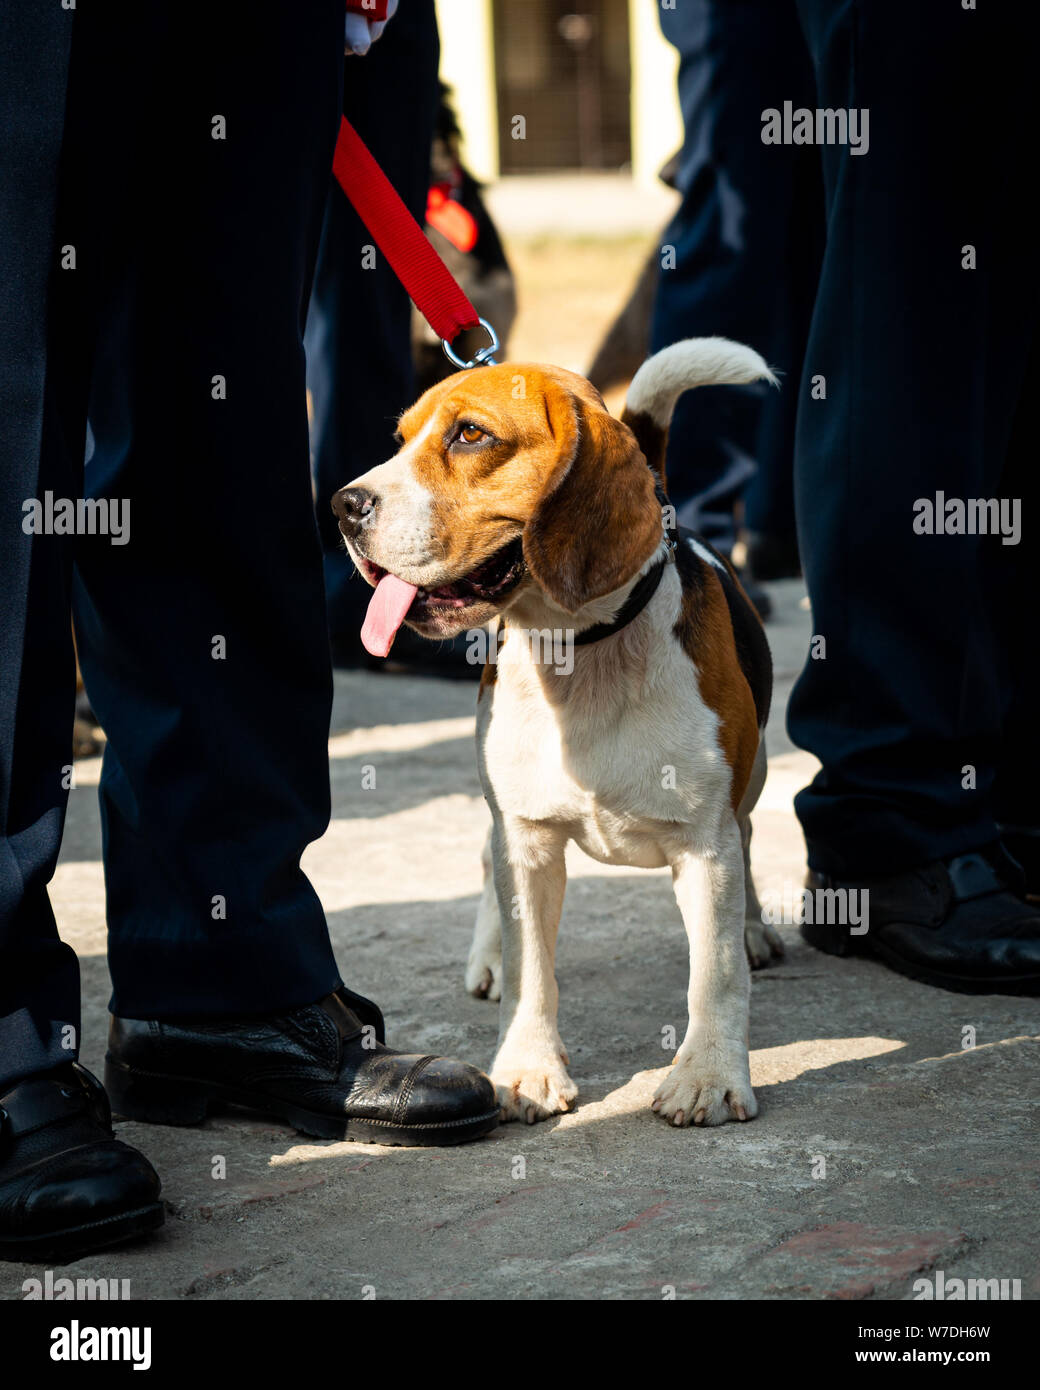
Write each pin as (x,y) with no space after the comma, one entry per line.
(483,357)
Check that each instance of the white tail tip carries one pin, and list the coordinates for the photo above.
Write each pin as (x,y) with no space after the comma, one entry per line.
(663,378)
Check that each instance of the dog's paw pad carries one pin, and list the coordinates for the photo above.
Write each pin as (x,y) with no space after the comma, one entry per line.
(693,1094)
(534,1092)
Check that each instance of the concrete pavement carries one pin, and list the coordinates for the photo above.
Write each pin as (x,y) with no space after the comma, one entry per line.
(884,1152)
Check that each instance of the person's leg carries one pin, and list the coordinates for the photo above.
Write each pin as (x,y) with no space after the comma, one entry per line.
(359,351)
(202,637)
(769,516)
(746,242)
(193,258)
(43,415)
(67,1185)
(1016,580)
(922,330)
(922,359)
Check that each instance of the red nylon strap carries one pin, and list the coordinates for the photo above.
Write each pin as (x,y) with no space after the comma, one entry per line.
(374,10)
(429,282)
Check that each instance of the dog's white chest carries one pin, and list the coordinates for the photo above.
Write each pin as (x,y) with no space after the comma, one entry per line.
(625,776)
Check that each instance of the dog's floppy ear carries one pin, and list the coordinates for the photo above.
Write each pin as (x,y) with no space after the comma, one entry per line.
(598,519)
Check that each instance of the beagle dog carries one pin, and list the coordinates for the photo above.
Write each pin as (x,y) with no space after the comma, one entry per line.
(624,702)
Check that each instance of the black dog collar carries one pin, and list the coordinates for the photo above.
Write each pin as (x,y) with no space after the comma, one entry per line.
(632,606)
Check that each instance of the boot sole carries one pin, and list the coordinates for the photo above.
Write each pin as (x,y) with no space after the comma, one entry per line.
(76,1241)
(181,1100)
(832,943)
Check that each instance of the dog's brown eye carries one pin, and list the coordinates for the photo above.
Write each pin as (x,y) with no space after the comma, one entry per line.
(472,434)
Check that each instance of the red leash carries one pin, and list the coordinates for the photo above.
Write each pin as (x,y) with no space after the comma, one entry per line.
(430,285)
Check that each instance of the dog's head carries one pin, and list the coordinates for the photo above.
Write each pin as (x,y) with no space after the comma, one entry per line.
(506,477)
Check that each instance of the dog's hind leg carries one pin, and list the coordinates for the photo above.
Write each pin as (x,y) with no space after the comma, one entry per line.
(484,967)
(761,940)
(710,1080)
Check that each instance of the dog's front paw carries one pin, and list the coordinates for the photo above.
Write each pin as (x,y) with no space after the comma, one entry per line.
(708,1084)
(762,943)
(533,1090)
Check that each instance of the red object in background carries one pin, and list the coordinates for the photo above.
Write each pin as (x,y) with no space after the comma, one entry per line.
(375,10)
(450,218)
(430,284)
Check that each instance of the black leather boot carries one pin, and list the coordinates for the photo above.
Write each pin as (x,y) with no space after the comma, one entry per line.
(67,1187)
(324,1069)
(962,924)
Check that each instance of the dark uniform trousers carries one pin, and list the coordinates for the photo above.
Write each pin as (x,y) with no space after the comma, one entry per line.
(359,356)
(907,355)
(923,708)
(162,186)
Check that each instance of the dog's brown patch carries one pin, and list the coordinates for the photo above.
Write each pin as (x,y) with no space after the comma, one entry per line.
(705,632)
(489,674)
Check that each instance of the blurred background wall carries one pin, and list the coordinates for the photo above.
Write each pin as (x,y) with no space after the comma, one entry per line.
(593,79)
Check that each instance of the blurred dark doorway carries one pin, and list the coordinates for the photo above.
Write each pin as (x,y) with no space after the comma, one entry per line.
(563,66)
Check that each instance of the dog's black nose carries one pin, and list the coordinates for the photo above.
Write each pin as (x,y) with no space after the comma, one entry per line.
(354,507)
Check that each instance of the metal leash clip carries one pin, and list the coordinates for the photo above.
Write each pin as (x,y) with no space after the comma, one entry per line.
(483,357)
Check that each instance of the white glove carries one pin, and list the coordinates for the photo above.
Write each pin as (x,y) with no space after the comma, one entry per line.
(360,34)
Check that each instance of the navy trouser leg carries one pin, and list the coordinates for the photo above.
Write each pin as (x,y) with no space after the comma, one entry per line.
(1014,586)
(925,365)
(202,638)
(359,356)
(747,240)
(39,390)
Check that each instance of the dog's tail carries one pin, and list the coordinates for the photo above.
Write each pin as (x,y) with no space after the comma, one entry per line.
(663,378)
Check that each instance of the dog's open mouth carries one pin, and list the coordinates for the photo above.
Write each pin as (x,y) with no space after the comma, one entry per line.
(395,600)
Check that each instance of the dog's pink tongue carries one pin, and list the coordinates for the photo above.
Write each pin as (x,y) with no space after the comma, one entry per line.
(386,612)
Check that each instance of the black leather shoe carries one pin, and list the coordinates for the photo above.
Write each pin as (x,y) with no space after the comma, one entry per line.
(323,1069)
(67,1187)
(961,924)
